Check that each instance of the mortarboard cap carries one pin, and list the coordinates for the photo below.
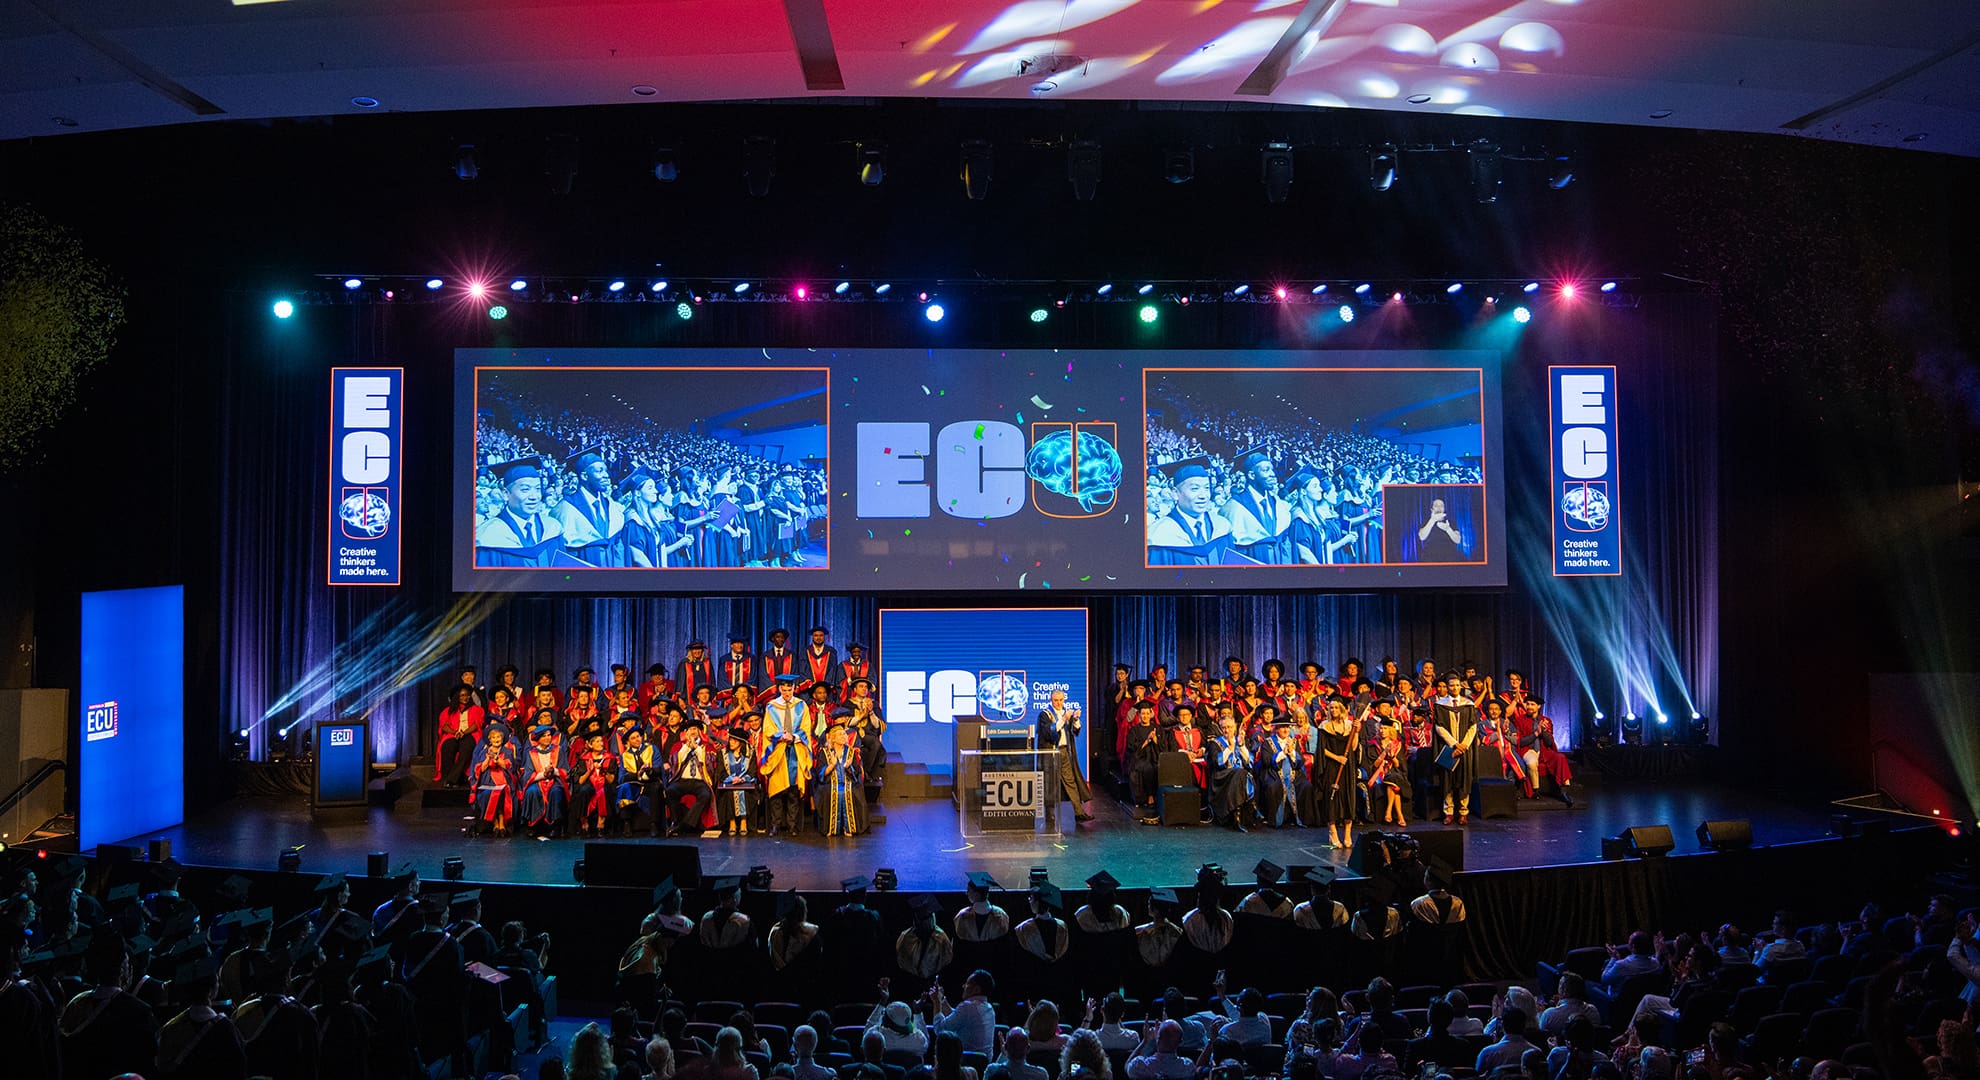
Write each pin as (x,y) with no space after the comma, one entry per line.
(1535,700)
(204,967)
(433,903)
(1164,896)
(656,669)
(234,890)
(856,645)
(380,955)
(166,874)
(737,637)
(1187,468)
(923,904)
(1299,480)
(1438,874)
(787,902)
(665,889)
(183,921)
(522,468)
(329,883)
(727,883)
(66,867)
(246,918)
(1050,895)
(978,879)
(1250,456)
(404,875)
(179,950)
(1322,876)
(121,894)
(788,678)
(584,458)
(1102,882)
(1144,705)
(1377,891)
(1209,873)
(1269,872)
(464,898)
(856,884)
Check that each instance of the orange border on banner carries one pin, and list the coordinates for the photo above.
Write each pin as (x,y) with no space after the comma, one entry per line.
(1553,468)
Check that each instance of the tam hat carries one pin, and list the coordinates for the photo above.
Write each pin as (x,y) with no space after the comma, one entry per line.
(464,898)
(1102,882)
(1164,896)
(664,890)
(634,479)
(787,902)
(726,884)
(656,669)
(979,879)
(779,632)
(1188,468)
(696,644)
(737,638)
(820,630)
(1252,456)
(922,905)
(329,883)
(1050,895)
(584,458)
(1269,872)
(522,468)
(1438,874)
(1321,876)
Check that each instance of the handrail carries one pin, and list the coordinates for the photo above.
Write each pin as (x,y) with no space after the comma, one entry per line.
(47,770)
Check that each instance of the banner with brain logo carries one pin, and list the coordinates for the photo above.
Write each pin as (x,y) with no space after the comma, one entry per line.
(1586,535)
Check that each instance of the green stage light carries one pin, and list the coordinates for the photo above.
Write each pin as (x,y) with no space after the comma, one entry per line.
(684,310)
(283,309)
(1038,314)
(1149,314)
(498,312)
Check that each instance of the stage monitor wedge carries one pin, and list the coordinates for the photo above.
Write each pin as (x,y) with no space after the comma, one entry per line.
(1725,835)
(1649,841)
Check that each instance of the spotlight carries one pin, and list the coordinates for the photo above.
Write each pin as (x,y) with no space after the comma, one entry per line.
(1149,314)
(283,309)
(498,313)
(1144,290)
(1038,314)
(1083,169)
(759,164)
(453,868)
(872,163)
(1179,165)
(665,168)
(615,286)
(1382,168)
(885,880)
(1530,287)
(977,157)
(684,311)
(1276,169)
(1608,286)
(1395,297)
(1105,288)
(476,289)
(741,288)
(290,860)
(659,286)
(464,166)
(1320,288)
(1454,288)
(933,312)
(1521,315)
(434,283)
(244,733)
(1279,293)
(841,287)
(1362,289)
(1568,291)
(1562,174)
(518,285)
(1346,312)
(882,288)
(1632,728)
(801,293)
(1487,171)
(353,283)
(1240,289)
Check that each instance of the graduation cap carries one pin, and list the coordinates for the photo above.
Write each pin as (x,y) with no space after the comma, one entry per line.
(1251,456)
(923,904)
(584,458)
(696,644)
(1299,480)
(167,874)
(1186,469)
(1438,874)
(978,879)
(1164,896)
(1144,705)
(405,875)
(725,884)
(380,955)
(1049,895)
(656,669)
(692,721)
(522,468)
(178,951)
(329,883)
(858,883)
(583,670)
(1321,877)
(790,678)
(665,889)
(820,630)
(182,922)
(1377,892)
(787,902)
(1269,872)
(779,632)
(1209,874)
(1102,882)
(1535,700)
(205,967)
(433,903)
(66,868)
(464,898)
(542,729)
(246,918)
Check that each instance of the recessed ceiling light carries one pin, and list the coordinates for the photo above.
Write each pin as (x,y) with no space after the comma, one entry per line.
(1419,99)
(1916,136)
(644,90)
(365,102)
(1660,114)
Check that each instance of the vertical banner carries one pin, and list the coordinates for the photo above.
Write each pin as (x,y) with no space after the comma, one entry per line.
(132,763)
(366,411)
(1582,411)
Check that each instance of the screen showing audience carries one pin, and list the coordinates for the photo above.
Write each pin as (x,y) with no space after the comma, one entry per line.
(957,469)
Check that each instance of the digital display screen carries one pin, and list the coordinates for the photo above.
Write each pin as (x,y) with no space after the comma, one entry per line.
(967,469)
(132,775)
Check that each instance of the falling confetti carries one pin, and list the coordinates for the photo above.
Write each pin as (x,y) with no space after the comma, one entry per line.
(1021,578)
(869,534)
(1088,577)
(1020,418)
(979,431)
(925,390)
(1040,402)
(907,532)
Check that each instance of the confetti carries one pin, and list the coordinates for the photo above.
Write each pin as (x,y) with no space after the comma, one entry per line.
(907,532)
(1088,577)
(1040,402)
(925,390)
(1046,584)
(979,431)
(1020,418)
(869,534)
(1021,578)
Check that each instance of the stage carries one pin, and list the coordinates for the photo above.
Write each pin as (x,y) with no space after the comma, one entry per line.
(921,842)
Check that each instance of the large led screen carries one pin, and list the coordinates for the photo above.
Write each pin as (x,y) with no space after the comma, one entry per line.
(966,469)
(131,770)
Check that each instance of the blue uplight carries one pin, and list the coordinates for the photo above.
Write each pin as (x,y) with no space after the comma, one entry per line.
(283,309)
(1346,313)
(1521,315)
(1530,287)
(934,312)
(615,286)
(353,283)
(434,283)
(518,285)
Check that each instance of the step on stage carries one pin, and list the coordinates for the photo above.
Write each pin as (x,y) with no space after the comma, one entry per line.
(921,842)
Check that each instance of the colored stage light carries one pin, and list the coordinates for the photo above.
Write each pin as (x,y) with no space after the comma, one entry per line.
(1145,290)
(353,283)
(1104,289)
(741,287)
(1346,313)
(1038,314)
(498,312)
(1521,315)
(615,286)
(922,296)
(1149,314)
(283,309)
(1395,298)
(801,293)
(1240,290)
(841,287)
(476,289)
(434,283)
(659,286)
(1608,286)
(882,288)
(1279,293)
(684,310)
(518,285)
(1567,291)
(1530,287)
(1362,289)
(933,312)
(1320,288)
(1454,288)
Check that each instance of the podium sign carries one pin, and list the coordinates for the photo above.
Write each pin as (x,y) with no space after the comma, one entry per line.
(1006,792)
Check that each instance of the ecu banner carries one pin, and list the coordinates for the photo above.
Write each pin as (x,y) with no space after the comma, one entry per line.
(1587,535)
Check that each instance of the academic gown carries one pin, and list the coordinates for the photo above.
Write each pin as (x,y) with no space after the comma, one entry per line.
(594,528)
(820,666)
(546,783)
(690,676)
(1261,526)
(107,1032)
(1230,784)
(499,542)
(841,791)
(733,671)
(647,537)
(200,1044)
(1171,541)
(1284,781)
(494,792)
(1061,732)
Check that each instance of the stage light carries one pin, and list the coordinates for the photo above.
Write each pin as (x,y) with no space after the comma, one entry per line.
(801,293)
(1521,315)
(283,309)
(1144,290)
(434,283)
(1038,314)
(290,860)
(882,289)
(1599,716)
(245,732)
(1382,168)
(1240,289)
(1491,300)
(1083,169)
(1178,165)
(453,868)
(364,102)
(498,313)
(1149,314)
(1362,289)
(1608,286)
(1487,171)
(1320,288)
(1395,297)
(933,312)
(1183,299)
(759,164)
(841,288)
(659,286)
(616,285)
(872,163)
(1276,171)
(1695,716)
(1104,289)
(1279,293)
(977,161)
(1567,291)
(1530,287)
(476,289)
(1562,174)
(922,296)
(1346,313)
(684,311)
(464,163)
(353,283)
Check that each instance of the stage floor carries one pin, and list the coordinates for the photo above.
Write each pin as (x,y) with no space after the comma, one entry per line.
(921,841)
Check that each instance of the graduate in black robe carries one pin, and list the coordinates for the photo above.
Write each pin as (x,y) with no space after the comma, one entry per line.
(199,1043)
(1192,533)
(522,533)
(108,1032)
(1231,788)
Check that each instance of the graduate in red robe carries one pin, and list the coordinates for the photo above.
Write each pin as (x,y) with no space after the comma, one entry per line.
(459,729)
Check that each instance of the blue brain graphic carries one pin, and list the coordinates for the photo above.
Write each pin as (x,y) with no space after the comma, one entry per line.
(1050,462)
